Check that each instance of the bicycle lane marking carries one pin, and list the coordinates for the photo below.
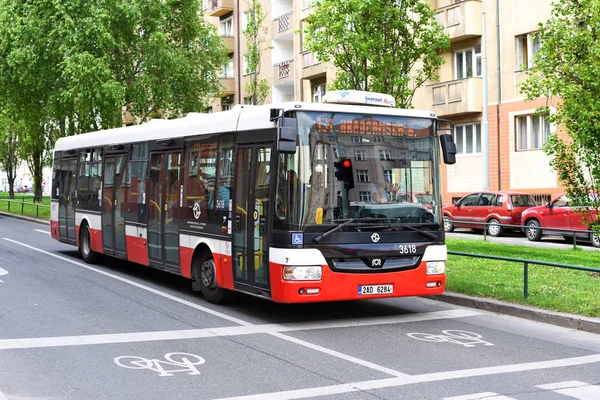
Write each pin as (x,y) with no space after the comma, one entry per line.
(321,349)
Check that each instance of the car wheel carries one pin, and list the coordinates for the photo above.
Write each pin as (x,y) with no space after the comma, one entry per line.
(85,246)
(595,239)
(532,233)
(448,225)
(205,278)
(494,228)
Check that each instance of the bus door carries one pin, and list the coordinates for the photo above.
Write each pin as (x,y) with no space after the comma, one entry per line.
(250,218)
(113,205)
(164,196)
(66,199)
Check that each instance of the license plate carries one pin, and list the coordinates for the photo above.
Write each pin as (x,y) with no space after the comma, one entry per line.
(375,289)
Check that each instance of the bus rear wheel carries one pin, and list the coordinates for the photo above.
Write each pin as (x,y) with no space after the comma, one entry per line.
(205,280)
(85,246)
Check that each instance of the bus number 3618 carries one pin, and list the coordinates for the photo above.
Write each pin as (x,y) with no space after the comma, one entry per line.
(408,249)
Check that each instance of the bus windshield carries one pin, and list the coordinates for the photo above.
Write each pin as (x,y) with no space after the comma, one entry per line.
(394,171)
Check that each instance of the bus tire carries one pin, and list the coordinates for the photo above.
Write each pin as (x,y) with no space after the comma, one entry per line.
(205,280)
(85,245)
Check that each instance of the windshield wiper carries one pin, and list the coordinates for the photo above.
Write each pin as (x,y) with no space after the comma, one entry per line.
(323,235)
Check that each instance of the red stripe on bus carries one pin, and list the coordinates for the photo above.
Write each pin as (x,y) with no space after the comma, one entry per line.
(137,250)
(54,230)
(336,286)
(95,240)
(185,261)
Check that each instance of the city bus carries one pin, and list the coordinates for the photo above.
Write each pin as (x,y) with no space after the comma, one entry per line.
(292,202)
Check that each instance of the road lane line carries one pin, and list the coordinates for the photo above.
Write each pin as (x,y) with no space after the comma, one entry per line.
(272,329)
(138,285)
(575,389)
(480,396)
(2,396)
(41,231)
(424,378)
(218,314)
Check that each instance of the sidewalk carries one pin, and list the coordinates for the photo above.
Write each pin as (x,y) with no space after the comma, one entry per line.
(572,321)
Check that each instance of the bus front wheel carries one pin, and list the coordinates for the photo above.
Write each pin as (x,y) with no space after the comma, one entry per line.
(85,246)
(205,280)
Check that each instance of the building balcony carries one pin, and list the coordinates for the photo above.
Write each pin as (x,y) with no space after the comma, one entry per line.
(283,24)
(229,43)
(283,71)
(311,66)
(461,20)
(216,8)
(462,96)
(228,87)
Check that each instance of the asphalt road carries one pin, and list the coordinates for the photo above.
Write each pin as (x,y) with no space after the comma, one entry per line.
(116,330)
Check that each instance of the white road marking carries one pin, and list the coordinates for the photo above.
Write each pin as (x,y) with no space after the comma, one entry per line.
(424,378)
(480,396)
(274,329)
(41,231)
(216,313)
(2,396)
(575,389)
(2,272)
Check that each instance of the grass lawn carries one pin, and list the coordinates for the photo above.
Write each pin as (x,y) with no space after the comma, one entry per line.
(552,288)
(23,204)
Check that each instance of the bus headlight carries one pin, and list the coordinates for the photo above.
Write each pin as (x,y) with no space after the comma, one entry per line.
(296,273)
(436,267)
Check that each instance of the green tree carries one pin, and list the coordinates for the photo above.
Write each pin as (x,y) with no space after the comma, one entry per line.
(9,146)
(387,46)
(257,89)
(565,70)
(70,67)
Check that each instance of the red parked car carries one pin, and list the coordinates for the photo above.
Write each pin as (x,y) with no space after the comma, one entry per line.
(560,214)
(494,208)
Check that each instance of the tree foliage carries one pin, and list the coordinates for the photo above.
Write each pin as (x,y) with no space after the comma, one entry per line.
(69,67)
(385,46)
(9,149)
(256,88)
(566,67)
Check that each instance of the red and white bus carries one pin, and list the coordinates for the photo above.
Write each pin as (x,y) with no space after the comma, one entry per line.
(277,201)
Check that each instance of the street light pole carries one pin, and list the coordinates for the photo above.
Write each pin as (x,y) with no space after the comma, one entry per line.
(485,143)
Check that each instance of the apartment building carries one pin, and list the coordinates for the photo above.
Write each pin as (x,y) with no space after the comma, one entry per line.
(516,134)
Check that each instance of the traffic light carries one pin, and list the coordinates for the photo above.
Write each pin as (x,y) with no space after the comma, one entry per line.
(344,173)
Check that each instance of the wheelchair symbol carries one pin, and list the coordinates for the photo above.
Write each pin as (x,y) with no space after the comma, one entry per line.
(297,238)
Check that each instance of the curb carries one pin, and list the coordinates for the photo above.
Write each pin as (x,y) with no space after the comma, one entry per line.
(571,321)
(30,219)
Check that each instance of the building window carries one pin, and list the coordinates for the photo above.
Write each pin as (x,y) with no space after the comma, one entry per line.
(364,197)
(378,139)
(531,131)
(226,103)
(385,154)
(467,138)
(527,46)
(467,63)
(362,175)
(318,92)
(356,139)
(226,27)
(228,69)
(359,155)
(387,175)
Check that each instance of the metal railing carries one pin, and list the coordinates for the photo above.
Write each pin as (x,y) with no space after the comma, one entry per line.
(571,232)
(16,203)
(526,264)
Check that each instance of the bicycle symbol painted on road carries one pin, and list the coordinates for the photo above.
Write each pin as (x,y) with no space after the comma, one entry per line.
(182,362)
(465,338)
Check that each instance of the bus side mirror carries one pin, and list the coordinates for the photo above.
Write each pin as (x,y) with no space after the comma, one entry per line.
(287,130)
(448,148)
